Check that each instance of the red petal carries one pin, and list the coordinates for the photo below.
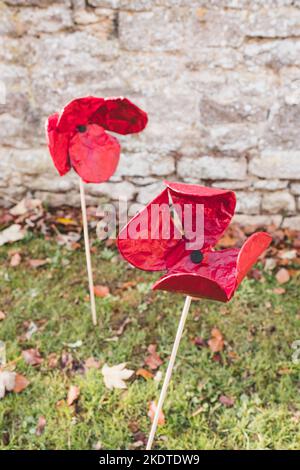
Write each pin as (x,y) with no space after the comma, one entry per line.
(253,247)
(214,278)
(94,154)
(113,114)
(77,113)
(136,244)
(120,115)
(58,144)
(218,205)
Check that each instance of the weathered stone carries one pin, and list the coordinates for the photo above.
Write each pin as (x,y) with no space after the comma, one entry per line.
(258,220)
(274,23)
(115,191)
(274,54)
(165,36)
(292,223)
(232,184)
(212,168)
(104,3)
(233,139)
(145,165)
(270,185)
(44,20)
(295,188)
(25,161)
(248,202)
(147,193)
(278,202)
(276,164)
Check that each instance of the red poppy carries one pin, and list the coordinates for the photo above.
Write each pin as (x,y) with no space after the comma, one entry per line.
(198,271)
(77,136)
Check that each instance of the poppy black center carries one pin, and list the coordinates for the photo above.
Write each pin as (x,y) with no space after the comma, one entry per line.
(81,128)
(196,256)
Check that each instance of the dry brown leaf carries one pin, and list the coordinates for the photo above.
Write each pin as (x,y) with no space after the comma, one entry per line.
(152,411)
(37,263)
(12,234)
(73,394)
(15,260)
(227,401)
(20,383)
(144,373)
(41,424)
(282,276)
(52,360)
(32,357)
(92,363)
(2,316)
(101,291)
(279,290)
(153,360)
(216,343)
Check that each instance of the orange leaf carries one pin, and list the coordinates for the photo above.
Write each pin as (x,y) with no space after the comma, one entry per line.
(152,411)
(101,291)
(32,357)
(73,394)
(15,260)
(153,360)
(216,343)
(20,383)
(144,373)
(40,426)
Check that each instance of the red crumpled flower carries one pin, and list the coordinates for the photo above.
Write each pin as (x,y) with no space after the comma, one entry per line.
(77,136)
(201,272)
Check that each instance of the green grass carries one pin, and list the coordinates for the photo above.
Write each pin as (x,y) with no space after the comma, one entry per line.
(256,366)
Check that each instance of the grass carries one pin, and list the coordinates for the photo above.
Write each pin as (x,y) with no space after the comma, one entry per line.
(255,368)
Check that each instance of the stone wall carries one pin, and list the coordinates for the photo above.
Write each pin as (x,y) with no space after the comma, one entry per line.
(220,80)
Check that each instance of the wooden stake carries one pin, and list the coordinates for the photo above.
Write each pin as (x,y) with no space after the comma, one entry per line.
(167,379)
(88,252)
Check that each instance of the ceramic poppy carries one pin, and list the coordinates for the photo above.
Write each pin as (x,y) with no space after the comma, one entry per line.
(197,272)
(77,136)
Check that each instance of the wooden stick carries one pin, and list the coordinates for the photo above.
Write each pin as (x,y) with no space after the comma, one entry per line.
(87,252)
(167,379)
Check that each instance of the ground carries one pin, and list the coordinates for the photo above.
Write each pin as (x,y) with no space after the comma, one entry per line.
(254,372)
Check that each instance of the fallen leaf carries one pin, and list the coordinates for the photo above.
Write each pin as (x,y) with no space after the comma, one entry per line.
(152,411)
(199,342)
(282,276)
(37,263)
(20,383)
(92,363)
(227,401)
(52,360)
(279,290)
(7,382)
(12,234)
(114,376)
(153,360)
(32,357)
(41,424)
(144,373)
(101,291)
(32,329)
(2,316)
(73,394)
(270,264)
(216,343)
(75,345)
(66,221)
(25,206)
(15,260)
(289,255)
